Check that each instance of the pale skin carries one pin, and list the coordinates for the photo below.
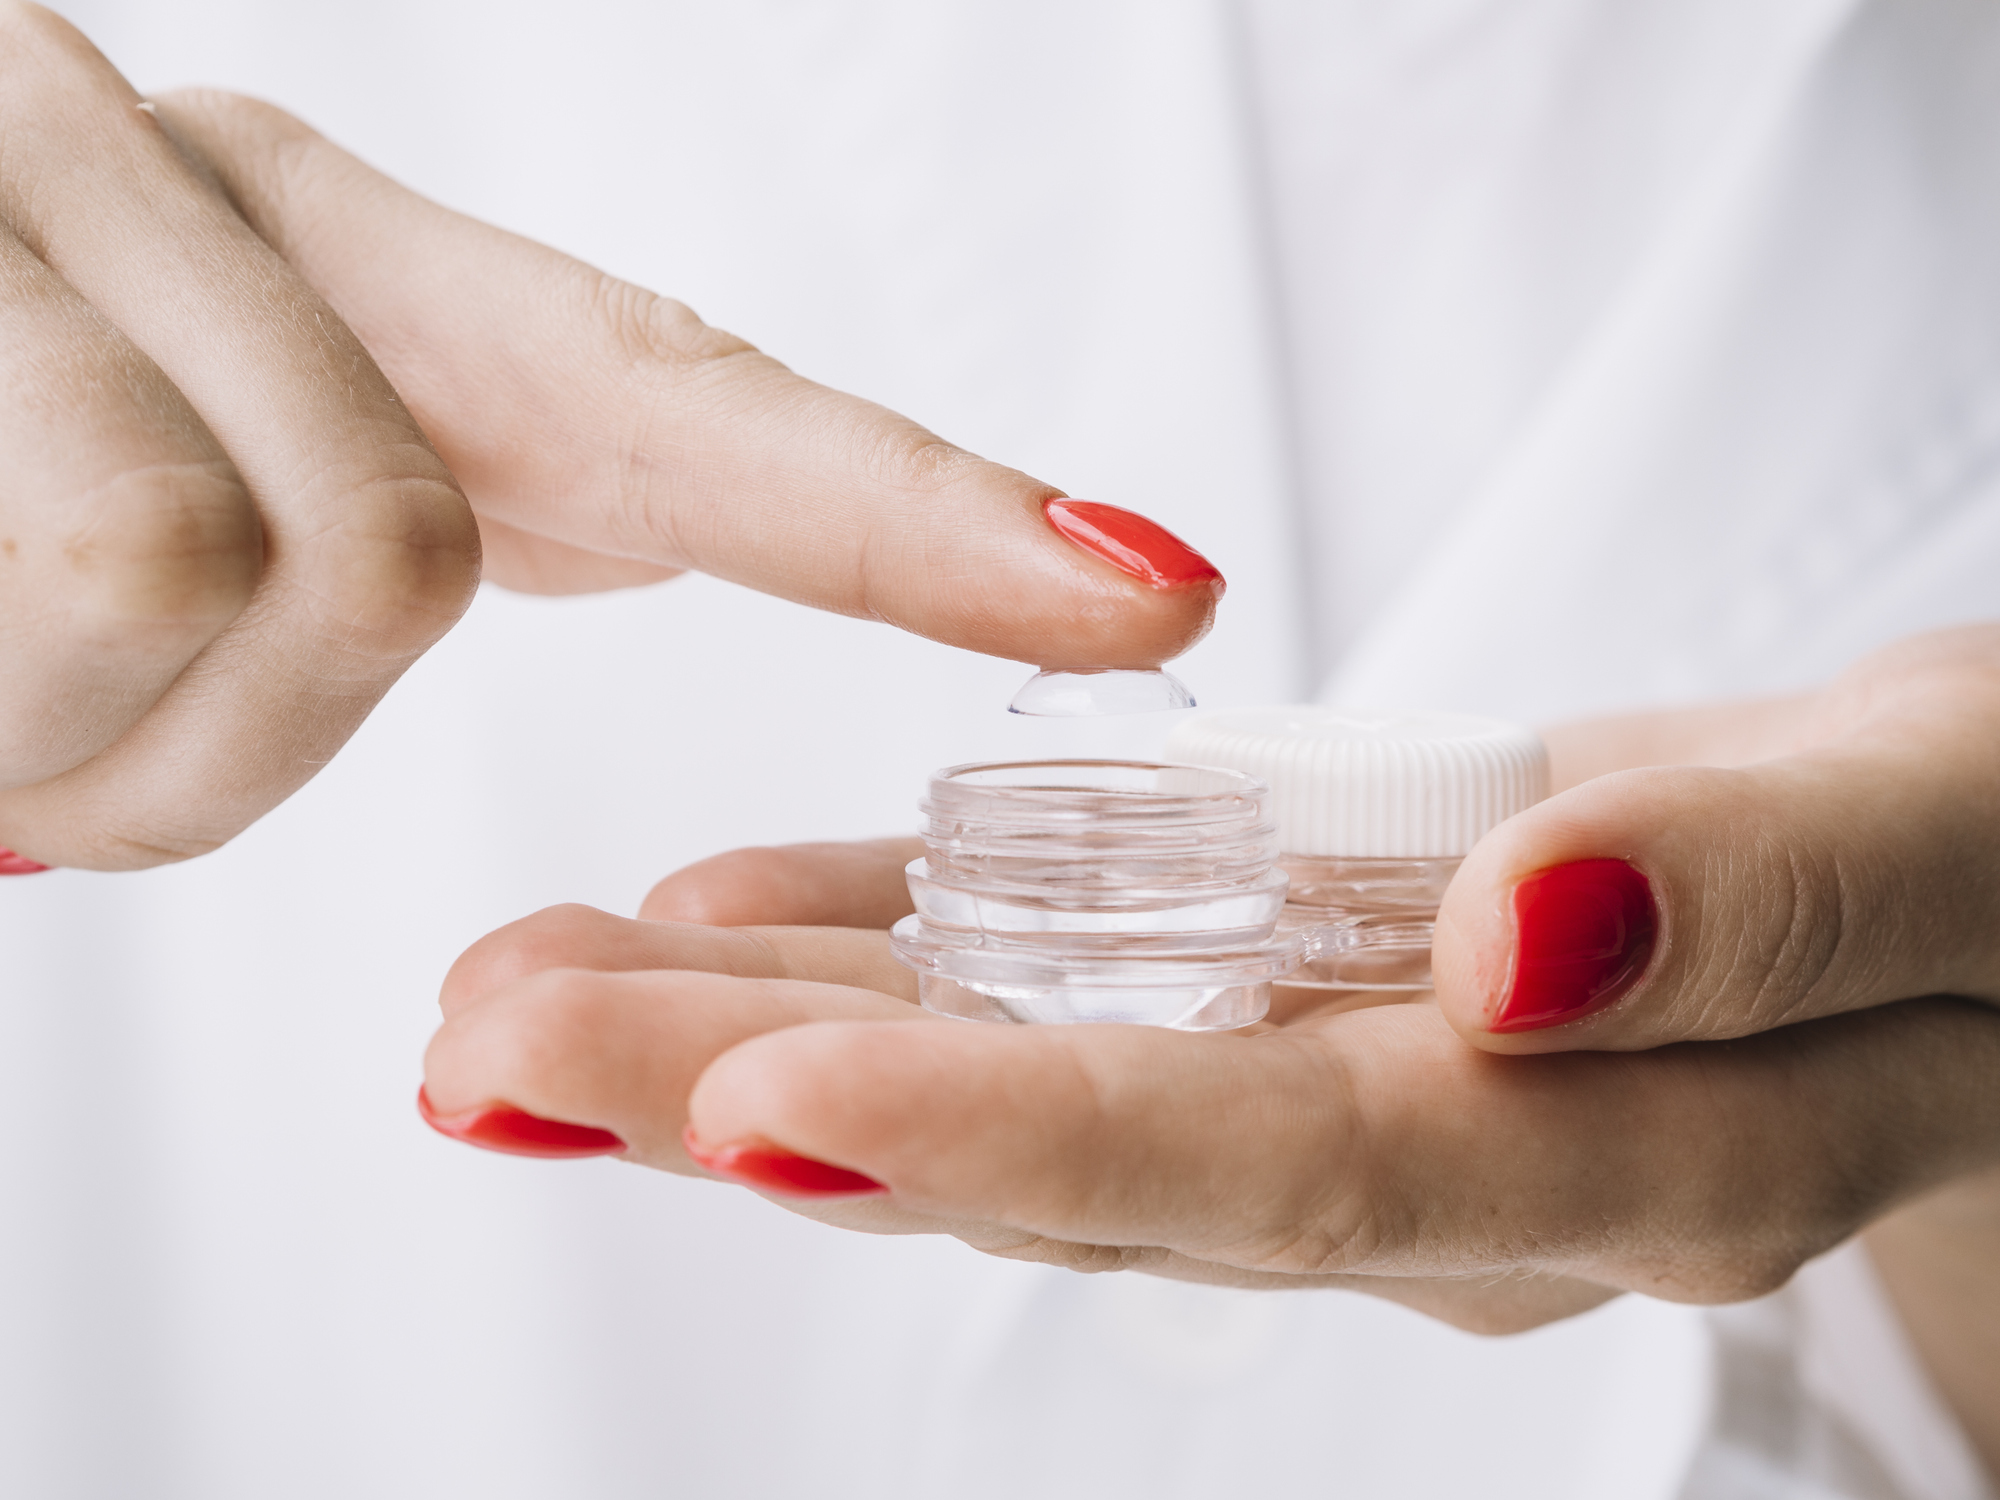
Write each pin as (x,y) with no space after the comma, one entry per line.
(266,417)
(267,410)
(1811,1053)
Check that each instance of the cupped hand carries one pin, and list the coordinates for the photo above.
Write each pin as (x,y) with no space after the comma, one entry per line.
(1369,1148)
(802,1061)
(259,393)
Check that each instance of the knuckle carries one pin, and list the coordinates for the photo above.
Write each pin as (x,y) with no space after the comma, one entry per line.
(724,890)
(655,330)
(399,567)
(549,939)
(694,375)
(907,456)
(165,545)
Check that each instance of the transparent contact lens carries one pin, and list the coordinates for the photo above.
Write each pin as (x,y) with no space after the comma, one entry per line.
(1077,891)
(1105,690)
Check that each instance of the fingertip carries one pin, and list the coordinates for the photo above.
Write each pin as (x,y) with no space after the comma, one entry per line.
(732,889)
(515,1132)
(1558,915)
(760,1088)
(1141,595)
(773,1169)
(1134,544)
(1572,940)
(1547,868)
(983,565)
(559,1043)
(568,936)
(847,1090)
(670,900)
(854,884)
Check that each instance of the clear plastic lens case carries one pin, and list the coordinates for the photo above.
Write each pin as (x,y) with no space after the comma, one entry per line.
(1174,894)
(1076,891)
(1371,920)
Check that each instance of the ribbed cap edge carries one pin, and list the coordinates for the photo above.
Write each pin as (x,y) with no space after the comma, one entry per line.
(1355,784)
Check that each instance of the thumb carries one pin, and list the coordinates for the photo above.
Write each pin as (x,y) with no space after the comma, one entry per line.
(1684,903)
(600,418)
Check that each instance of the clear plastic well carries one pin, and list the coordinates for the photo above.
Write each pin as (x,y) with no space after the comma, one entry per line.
(1072,891)
(1371,920)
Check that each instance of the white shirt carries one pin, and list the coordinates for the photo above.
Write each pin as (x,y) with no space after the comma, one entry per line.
(1539,357)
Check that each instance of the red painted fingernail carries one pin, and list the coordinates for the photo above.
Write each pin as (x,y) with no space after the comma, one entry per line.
(1583,933)
(501,1127)
(18,864)
(1129,541)
(779,1171)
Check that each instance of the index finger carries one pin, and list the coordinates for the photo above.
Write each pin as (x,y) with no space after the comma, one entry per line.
(603,416)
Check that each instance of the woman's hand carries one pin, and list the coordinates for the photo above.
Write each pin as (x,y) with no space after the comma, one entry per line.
(794,1050)
(1367,1147)
(260,393)
(1778,862)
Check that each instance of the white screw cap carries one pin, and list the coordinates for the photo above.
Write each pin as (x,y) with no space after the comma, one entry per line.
(1351,784)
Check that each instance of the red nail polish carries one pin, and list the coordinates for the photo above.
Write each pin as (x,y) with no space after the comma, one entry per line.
(779,1171)
(501,1127)
(1130,542)
(1583,933)
(16,864)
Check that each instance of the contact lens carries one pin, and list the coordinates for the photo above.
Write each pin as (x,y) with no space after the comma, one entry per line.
(1108,690)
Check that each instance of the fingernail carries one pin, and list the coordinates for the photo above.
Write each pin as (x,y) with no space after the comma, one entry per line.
(1582,935)
(501,1127)
(1130,542)
(18,864)
(778,1171)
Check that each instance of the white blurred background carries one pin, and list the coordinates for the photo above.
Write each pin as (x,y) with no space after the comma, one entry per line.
(234,1264)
